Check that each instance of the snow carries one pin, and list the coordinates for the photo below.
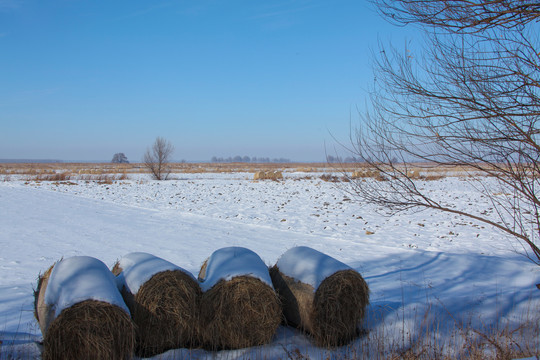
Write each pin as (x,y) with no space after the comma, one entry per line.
(233,261)
(139,267)
(309,266)
(79,278)
(415,262)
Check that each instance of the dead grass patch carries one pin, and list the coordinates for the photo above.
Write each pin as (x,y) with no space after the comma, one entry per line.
(62,176)
(334,178)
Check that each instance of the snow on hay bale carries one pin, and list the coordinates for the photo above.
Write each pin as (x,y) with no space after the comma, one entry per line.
(276,175)
(81,312)
(268,175)
(163,299)
(239,307)
(320,295)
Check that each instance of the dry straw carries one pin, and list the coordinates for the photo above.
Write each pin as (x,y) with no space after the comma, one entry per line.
(41,311)
(331,313)
(89,329)
(165,310)
(237,313)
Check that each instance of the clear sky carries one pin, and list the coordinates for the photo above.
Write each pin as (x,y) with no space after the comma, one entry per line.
(82,80)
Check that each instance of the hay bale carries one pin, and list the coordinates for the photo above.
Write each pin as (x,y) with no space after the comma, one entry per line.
(413,174)
(164,302)
(81,313)
(259,175)
(268,175)
(320,295)
(276,175)
(357,174)
(239,307)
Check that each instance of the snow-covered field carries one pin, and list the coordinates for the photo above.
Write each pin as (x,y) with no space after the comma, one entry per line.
(422,268)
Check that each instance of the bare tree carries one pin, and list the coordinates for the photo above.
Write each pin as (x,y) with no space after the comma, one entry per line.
(469,98)
(157,158)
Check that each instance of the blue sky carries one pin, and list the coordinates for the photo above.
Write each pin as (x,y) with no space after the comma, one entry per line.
(82,80)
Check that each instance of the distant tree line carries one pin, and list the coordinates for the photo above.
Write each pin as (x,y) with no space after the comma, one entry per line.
(247,159)
(339,160)
(29,161)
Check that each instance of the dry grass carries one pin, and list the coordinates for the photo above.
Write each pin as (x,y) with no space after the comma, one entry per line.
(41,312)
(433,339)
(77,171)
(61,176)
(334,178)
(104,178)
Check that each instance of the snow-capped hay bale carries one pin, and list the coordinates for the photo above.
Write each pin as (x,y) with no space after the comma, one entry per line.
(90,330)
(164,302)
(320,295)
(239,307)
(268,175)
(276,175)
(259,175)
(81,312)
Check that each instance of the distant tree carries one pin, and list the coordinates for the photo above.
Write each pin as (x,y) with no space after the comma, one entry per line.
(119,158)
(157,158)
(334,159)
(352,159)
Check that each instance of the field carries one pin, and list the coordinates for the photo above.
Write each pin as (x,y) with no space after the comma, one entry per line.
(441,285)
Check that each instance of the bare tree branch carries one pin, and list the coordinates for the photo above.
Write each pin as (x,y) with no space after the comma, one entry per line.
(461,15)
(469,99)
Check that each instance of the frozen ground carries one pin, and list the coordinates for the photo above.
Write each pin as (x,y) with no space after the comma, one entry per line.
(461,271)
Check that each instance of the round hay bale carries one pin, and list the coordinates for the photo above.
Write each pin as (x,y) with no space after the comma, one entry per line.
(81,313)
(277,175)
(239,307)
(320,295)
(164,301)
(90,330)
(259,175)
